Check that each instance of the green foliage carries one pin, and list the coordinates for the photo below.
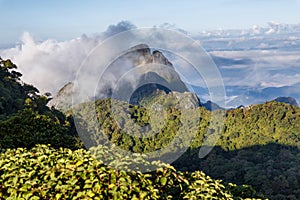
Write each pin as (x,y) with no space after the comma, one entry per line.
(259,146)
(28,127)
(25,120)
(47,173)
(272,170)
(13,93)
(124,125)
(272,122)
(247,132)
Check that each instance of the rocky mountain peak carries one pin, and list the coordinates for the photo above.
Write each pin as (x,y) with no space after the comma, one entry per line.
(150,78)
(141,54)
(158,57)
(63,99)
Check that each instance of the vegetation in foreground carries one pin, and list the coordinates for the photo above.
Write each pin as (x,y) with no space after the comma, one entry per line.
(46,173)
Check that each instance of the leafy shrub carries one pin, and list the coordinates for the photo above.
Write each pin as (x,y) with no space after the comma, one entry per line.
(28,127)
(47,173)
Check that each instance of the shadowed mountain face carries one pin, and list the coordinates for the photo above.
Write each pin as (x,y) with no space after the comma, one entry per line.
(288,100)
(147,91)
(209,105)
(152,74)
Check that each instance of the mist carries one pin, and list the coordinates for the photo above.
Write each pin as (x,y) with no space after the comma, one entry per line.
(50,64)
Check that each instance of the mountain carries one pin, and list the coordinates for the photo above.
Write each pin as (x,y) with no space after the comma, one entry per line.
(152,74)
(288,100)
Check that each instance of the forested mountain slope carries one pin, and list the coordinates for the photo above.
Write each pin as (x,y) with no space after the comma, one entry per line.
(259,145)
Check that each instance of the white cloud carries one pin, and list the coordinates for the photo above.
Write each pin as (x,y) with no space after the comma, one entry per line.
(50,64)
(268,68)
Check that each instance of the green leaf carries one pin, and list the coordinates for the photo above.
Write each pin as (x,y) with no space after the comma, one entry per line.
(163,180)
(58,196)
(90,193)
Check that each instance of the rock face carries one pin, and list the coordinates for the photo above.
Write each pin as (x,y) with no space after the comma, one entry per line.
(288,100)
(63,99)
(158,57)
(187,100)
(141,54)
(155,73)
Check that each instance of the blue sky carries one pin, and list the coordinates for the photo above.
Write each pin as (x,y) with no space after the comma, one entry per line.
(66,19)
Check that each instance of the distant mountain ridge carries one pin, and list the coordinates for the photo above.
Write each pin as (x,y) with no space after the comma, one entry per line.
(288,100)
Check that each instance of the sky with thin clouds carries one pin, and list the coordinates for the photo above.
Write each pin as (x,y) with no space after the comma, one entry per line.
(66,19)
